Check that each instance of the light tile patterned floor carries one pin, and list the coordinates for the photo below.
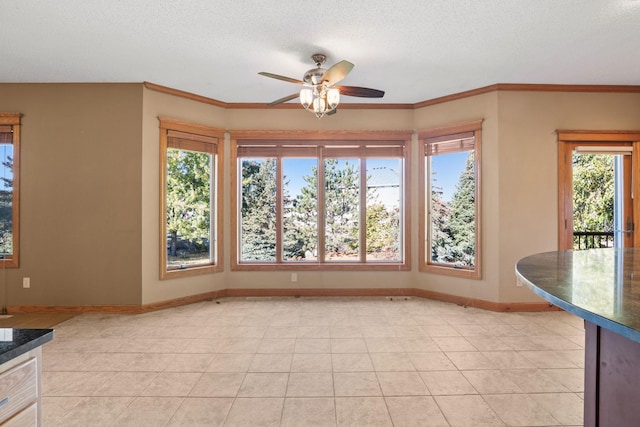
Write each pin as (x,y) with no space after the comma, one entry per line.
(316,362)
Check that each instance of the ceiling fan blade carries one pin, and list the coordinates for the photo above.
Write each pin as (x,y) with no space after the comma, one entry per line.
(279,77)
(337,72)
(284,99)
(362,92)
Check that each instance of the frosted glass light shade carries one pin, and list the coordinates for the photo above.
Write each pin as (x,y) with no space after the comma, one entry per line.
(333,98)
(306,97)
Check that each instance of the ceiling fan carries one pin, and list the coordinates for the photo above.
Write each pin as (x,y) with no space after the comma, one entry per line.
(320,94)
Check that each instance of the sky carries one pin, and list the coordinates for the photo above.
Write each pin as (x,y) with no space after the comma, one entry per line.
(448,169)
(384,176)
(6,150)
(383,173)
(295,170)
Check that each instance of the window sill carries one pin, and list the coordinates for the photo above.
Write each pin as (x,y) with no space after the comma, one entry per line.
(190,271)
(337,266)
(447,270)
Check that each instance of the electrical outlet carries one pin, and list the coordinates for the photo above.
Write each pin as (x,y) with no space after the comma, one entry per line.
(26,282)
(294,277)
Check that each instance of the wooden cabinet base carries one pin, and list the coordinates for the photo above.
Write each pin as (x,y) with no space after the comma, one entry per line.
(28,417)
(612,379)
(20,396)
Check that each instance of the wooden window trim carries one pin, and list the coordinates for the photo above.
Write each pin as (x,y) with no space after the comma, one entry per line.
(568,140)
(196,137)
(12,122)
(441,134)
(306,142)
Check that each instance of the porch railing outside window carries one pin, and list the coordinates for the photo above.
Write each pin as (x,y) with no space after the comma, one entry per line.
(592,239)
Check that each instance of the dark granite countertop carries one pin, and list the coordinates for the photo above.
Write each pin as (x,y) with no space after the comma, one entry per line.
(600,285)
(22,341)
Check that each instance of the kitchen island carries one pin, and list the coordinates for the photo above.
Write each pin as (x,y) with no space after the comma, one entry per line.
(602,286)
(20,375)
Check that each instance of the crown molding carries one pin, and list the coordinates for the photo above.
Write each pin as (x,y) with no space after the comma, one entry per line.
(507,87)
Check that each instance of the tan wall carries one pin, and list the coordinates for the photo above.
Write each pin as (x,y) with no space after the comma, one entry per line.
(528,166)
(90,188)
(484,107)
(299,119)
(80,216)
(519,175)
(159,104)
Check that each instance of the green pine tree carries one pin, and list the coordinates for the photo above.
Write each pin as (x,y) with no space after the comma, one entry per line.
(258,210)
(301,221)
(342,209)
(462,219)
(453,223)
(441,239)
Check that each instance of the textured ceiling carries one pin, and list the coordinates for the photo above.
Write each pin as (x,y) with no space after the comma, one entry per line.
(415,50)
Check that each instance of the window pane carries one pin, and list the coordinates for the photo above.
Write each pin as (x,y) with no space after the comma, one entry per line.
(6,199)
(594,200)
(452,206)
(383,209)
(306,203)
(188,208)
(258,211)
(300,209)
(342,209)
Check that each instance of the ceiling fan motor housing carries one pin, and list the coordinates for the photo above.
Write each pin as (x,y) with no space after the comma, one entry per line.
(314,76)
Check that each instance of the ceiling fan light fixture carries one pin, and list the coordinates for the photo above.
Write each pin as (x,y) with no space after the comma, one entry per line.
(320,100)
(319,94)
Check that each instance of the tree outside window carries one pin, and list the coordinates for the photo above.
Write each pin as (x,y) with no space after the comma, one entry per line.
(449,231)
(312,207)
(258,226)
(9,189)
(453,223)
(593,197)
(190,209)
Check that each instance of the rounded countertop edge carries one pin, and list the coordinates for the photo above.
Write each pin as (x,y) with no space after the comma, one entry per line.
(585,314)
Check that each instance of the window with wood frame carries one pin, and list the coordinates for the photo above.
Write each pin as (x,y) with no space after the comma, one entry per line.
(190,194)
(313,201)
(450,200)
(9,189)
